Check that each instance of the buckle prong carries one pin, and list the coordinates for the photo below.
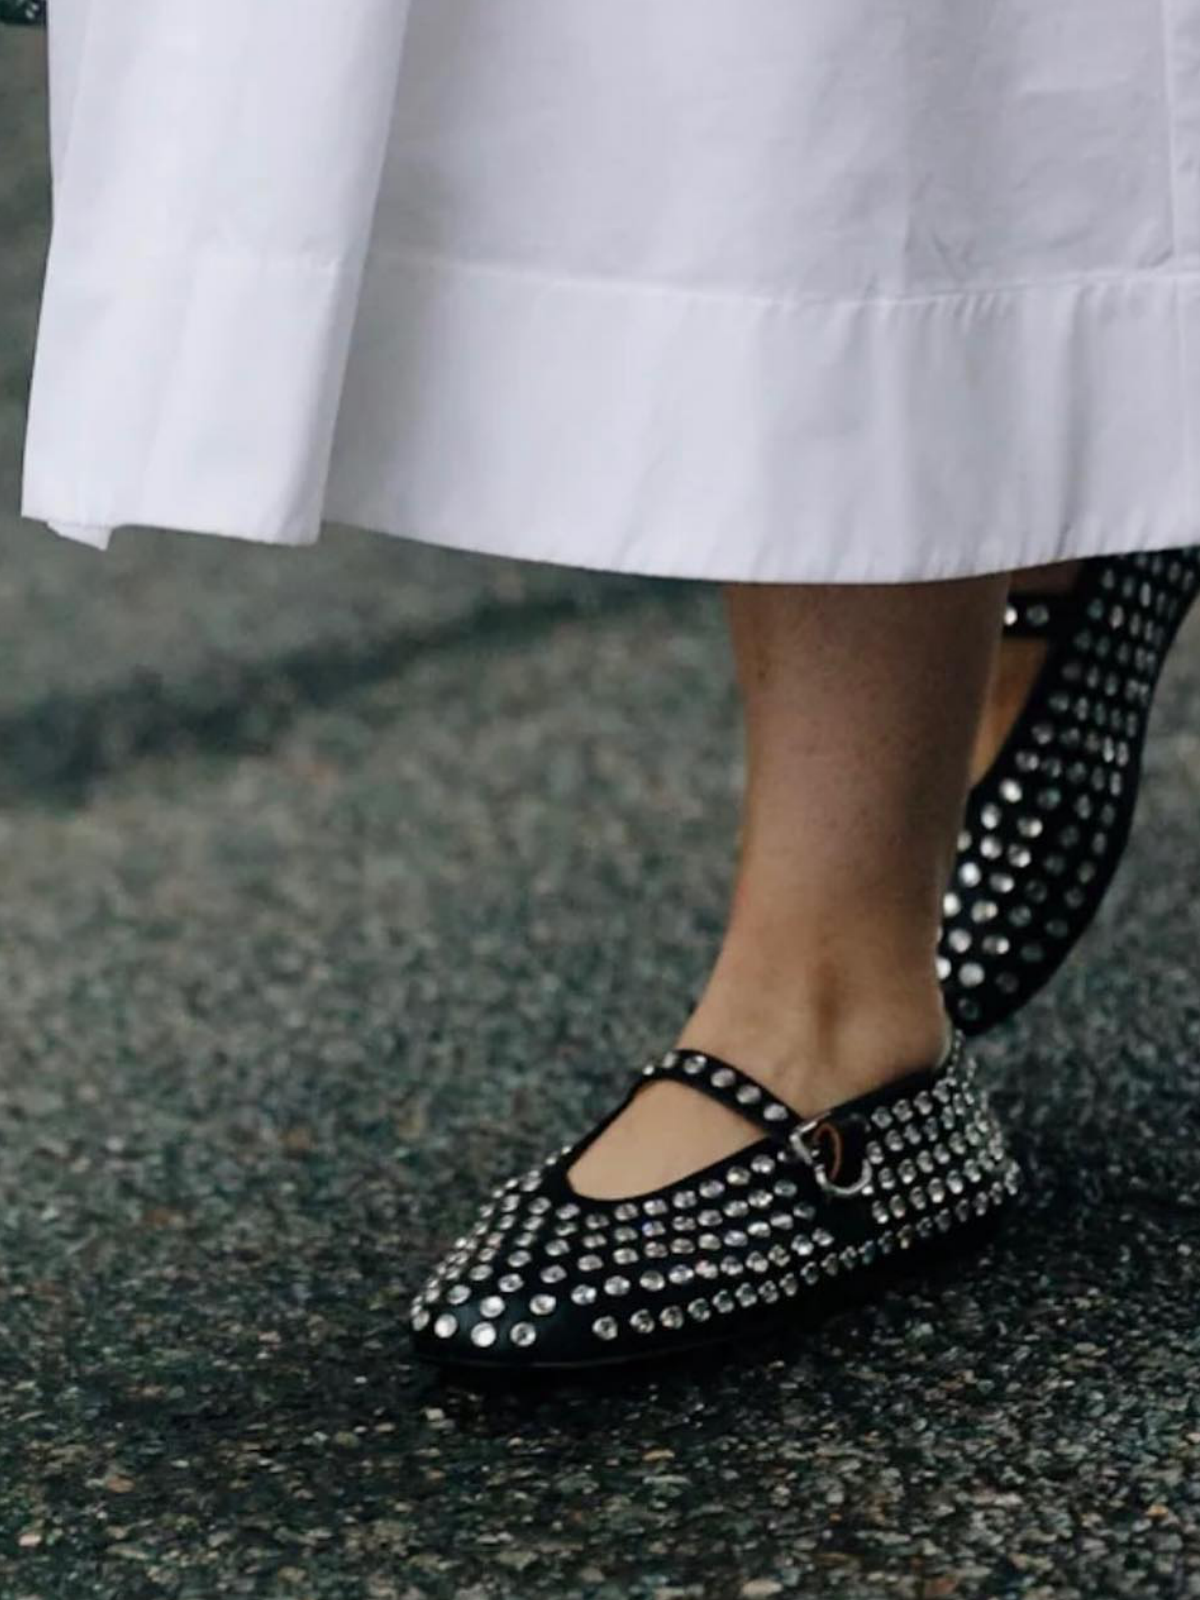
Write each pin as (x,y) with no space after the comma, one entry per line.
(819,1129)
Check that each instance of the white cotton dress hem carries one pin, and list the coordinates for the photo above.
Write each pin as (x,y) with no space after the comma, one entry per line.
(733,290)
(649,429)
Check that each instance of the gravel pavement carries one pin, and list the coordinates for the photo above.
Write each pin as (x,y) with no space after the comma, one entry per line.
(336,885)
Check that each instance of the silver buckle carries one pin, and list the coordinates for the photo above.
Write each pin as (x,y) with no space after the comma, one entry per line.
(810,1154)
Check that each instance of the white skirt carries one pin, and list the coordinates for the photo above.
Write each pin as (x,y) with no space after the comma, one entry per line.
(807,290)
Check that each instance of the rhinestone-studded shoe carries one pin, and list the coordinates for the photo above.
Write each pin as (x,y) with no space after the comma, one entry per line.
(1047,825)
(815,1214)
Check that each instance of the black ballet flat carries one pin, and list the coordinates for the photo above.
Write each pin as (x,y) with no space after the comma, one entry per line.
(1047,825)
(815,1214)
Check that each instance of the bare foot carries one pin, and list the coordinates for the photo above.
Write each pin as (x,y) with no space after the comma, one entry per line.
(665,1132)
(1018,662)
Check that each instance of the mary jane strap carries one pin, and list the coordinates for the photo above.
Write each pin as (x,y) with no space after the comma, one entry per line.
(1035,615)
(729,1086)
(831,1144)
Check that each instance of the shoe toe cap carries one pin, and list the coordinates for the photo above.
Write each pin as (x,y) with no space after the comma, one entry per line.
(493,1330)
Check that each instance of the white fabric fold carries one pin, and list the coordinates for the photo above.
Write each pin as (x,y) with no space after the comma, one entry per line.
(84,533)
(216,174)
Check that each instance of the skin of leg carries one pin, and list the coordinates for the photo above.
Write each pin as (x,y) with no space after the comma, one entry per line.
(861,708)
(1016,666)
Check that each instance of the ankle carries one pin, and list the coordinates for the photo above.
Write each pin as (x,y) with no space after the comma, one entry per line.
(818,1045)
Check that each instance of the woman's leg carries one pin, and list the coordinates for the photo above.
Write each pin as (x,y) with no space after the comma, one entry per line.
(862,706)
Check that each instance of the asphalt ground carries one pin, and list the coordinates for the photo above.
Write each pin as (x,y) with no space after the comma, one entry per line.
(338,884)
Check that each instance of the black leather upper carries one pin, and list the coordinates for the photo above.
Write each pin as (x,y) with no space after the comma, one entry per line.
(549,1277)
